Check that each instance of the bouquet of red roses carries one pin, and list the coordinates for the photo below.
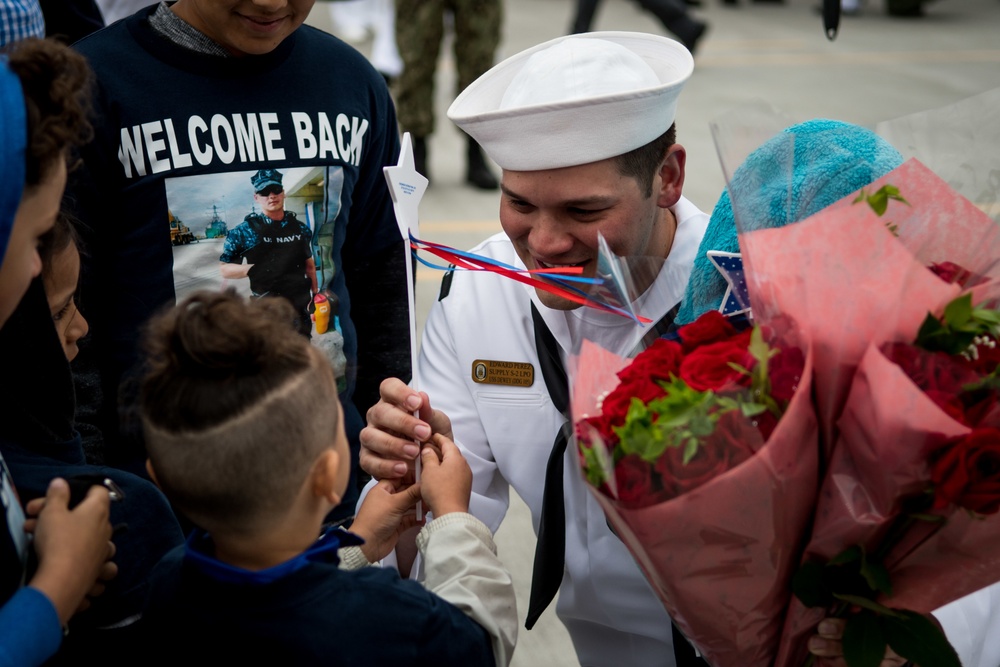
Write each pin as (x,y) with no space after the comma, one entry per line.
(704,458)
(860,277)
(872,266)
(911,491)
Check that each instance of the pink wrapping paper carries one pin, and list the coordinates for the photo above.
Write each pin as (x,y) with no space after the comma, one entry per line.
(850,282)
(887,430)
(720,557)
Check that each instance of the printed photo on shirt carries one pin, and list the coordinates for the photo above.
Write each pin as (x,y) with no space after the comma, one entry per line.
(266,232)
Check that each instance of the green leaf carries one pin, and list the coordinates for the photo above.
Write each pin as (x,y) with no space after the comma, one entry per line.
(690,449)
(738,368)
(989,317)
(918,639)
(892,192)
(957,327)
(958,311)
(864,603)
(863,641)
(809,587)
(848,555)
(752,409)
(758,347)
(930,327)
(879,202)
(877,576)
(592,466)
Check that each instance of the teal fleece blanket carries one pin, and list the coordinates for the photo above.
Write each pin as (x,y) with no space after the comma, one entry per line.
(797,173)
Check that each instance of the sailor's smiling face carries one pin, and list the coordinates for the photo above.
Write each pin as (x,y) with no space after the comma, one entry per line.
(245,27)
(553,218)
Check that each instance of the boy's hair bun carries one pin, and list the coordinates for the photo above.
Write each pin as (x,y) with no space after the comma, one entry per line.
(220,335)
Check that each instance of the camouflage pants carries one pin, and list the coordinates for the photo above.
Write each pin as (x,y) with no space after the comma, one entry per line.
(419,33)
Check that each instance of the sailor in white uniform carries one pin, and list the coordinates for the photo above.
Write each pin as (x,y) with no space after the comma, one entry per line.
(582,127)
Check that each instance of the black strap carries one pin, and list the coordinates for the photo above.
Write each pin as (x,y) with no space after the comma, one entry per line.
(550,551)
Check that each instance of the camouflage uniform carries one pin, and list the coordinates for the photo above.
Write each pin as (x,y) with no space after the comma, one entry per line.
(419,32)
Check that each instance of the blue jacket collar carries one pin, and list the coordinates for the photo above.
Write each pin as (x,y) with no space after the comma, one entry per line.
(197,552)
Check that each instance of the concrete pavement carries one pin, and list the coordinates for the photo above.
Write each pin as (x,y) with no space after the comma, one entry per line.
(878,68)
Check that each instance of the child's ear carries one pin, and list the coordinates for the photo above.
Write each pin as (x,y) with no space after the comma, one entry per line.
(324,476)
(152,473)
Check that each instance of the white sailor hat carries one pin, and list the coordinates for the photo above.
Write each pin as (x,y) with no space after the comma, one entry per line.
(575,100)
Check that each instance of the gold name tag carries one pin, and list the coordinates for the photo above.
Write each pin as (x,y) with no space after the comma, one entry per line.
(514,373)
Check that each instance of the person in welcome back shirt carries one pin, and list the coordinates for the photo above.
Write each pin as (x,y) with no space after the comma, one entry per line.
(199,93)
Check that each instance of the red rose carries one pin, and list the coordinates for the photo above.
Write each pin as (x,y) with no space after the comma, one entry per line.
(591,428)
(615,405)
(739,435)
(657,362)
(951,272)
(708,367)
(785,372)
(635,481)
(987,357)
(711,327)
(985,412)
(765,422)
(937,371)
(732,442)
(949,404)
(966,472)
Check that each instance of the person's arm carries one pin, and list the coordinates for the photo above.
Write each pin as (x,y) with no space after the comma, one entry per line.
(827,646)
(311,272)
(387,443)
(445,406)
(386,513)
(74,547)
(30,631)
(232,264)
(234,271)
(385,455)
(460,557)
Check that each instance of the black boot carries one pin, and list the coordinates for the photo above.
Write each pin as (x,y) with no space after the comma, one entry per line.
(420,157)
(478,174)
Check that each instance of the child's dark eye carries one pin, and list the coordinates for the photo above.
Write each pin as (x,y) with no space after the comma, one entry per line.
(62,311)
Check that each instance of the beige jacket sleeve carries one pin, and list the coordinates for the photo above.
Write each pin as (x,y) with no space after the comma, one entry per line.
(461,565)
(352,558)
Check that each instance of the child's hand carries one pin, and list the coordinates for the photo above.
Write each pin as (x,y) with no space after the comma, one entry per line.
(826,645)
(446,479)
(74,547)
(388,511)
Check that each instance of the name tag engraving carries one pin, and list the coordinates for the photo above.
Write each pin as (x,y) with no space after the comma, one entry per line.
(510,373)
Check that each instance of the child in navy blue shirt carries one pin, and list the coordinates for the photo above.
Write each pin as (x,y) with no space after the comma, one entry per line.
(245,435)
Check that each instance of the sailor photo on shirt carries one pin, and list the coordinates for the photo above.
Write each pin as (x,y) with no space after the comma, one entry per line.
(265,233)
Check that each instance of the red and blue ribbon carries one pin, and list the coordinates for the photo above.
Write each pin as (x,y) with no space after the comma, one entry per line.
(561,281)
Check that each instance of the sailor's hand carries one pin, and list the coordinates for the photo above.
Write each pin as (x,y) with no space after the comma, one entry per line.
(389,443)
(827,645)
